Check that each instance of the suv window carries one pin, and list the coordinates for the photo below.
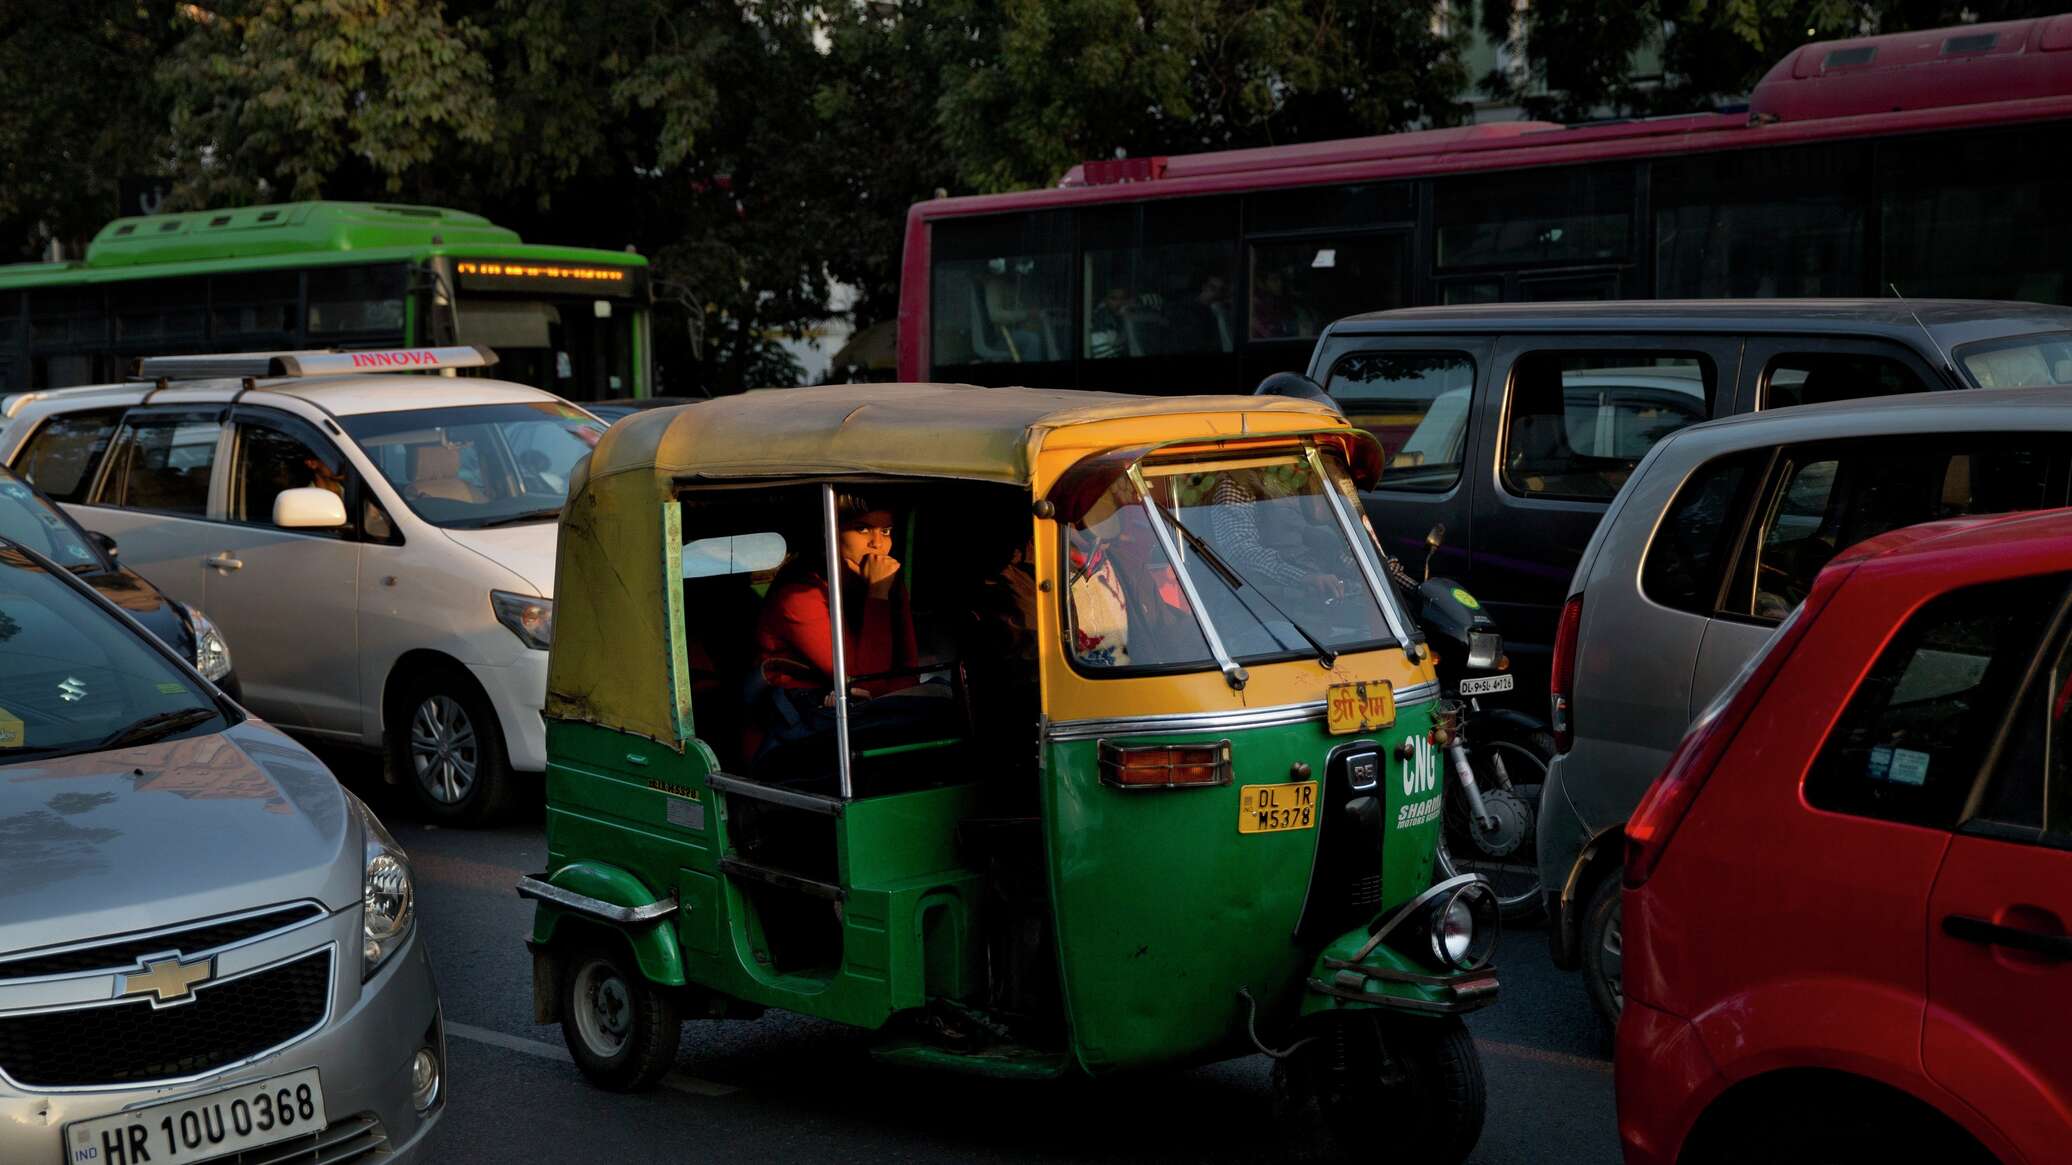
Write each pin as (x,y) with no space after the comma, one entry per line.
(60,459)
(1910,743)
(1809,378)
(1579,421)
(1822,502)
(1416,405)
(162,461)
(2031,789)
(277,454)
(1696,539)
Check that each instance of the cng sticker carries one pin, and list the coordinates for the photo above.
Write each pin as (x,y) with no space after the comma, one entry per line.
(1419,772)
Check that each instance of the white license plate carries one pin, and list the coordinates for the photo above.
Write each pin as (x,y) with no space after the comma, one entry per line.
(200,1128)
(1484,685)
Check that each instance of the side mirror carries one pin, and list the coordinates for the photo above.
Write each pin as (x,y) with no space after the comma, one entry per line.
(106,543)
(308,508)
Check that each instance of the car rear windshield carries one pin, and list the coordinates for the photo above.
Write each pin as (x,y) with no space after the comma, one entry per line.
(2020,362)
(73,679)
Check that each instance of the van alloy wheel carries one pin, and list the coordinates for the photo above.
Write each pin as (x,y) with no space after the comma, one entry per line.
(443,752)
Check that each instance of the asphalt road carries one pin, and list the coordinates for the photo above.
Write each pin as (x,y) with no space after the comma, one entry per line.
(784,1088)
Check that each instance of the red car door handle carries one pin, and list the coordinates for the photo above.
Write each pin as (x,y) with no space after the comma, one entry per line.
(1988,933)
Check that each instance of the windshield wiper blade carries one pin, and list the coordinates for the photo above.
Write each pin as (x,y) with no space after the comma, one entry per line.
(1239,584)
(156,726)
(517,519)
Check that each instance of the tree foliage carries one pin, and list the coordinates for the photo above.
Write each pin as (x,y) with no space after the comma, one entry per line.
(1574,59)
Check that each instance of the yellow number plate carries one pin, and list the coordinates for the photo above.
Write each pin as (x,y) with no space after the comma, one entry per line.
(1274,808)
(1365,706)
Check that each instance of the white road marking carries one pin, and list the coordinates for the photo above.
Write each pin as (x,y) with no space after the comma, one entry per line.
(676,1081)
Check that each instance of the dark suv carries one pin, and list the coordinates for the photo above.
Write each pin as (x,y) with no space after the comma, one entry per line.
(1515,424)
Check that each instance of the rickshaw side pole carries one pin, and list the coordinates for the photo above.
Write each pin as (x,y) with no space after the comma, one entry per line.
(834,620)
(1363,552)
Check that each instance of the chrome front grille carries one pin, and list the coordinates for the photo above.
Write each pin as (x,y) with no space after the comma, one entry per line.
(134,1042)
(352,1138)
(124,951)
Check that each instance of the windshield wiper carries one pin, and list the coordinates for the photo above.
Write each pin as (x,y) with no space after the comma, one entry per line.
(156,726)
(1239,584)
(517,519)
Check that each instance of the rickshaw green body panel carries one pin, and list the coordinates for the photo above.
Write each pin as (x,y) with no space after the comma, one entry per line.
(1158,926)
(909,918)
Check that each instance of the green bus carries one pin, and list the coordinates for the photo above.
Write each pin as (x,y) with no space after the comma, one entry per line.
(302,275)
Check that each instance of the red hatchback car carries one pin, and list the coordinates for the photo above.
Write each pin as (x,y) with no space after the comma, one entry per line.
(1848,896)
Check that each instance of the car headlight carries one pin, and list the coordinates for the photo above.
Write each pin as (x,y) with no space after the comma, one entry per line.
(211,652)
(530,619)
(1464,927)
(388,900)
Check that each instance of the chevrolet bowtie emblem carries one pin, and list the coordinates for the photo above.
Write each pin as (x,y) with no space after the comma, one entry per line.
(166,980)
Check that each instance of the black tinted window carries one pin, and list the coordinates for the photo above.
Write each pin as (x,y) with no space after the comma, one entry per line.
(356,300)
(1570,215)
(1158,277)
(1579,421)
(1811,378)
(1003,289)
(2031,787)
(60,459)
(1909,745)
(1761,223)
(162,462)
(1416,404)
(1683,565)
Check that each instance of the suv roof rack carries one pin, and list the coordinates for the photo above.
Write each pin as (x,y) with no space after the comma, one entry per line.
(326,362)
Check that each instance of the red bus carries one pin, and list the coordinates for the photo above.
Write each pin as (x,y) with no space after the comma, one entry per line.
(1938,161)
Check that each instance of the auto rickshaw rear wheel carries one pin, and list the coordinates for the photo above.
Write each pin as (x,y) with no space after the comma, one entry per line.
(1368,1084)
(621,1029)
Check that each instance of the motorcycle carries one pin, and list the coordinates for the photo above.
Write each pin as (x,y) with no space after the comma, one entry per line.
(1499,756)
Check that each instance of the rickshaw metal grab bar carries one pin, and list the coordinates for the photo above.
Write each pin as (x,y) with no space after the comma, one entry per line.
(1096,905)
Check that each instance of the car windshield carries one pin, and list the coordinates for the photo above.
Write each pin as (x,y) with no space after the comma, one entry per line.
(2020,362)
(1256,540)
(74,679)
(30,519)
(472,466)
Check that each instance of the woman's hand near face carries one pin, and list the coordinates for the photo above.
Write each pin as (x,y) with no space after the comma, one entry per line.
(878,571)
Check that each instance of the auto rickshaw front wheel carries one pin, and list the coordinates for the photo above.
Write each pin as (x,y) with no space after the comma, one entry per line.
(1370,1084)
(621,1029)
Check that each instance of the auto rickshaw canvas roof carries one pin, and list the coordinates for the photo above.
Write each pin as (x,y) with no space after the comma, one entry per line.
(925,430)
(618,656)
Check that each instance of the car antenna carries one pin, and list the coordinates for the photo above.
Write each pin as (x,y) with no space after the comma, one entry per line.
(1949,369)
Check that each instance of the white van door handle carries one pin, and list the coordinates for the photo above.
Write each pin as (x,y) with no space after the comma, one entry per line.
(224,562)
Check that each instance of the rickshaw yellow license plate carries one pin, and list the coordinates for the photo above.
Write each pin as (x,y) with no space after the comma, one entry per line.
(1361,706)
(1277,808)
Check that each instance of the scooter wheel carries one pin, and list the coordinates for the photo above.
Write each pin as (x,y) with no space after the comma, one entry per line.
(621,1030)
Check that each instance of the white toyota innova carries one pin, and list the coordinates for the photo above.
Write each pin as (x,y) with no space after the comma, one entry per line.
(378,542)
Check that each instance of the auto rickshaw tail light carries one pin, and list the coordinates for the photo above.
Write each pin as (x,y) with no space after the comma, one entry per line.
(1165,766)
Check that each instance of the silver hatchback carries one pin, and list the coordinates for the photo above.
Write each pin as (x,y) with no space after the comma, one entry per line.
(1713,541)
(208,948)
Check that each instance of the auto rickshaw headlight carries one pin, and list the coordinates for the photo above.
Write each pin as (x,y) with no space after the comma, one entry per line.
(1464,927)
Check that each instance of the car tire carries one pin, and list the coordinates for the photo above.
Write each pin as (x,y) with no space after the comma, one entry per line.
(621,1030)
(1850,1127)
(1600,948)
(445,743)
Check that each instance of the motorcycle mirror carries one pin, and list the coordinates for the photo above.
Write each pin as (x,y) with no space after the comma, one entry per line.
(1436,537)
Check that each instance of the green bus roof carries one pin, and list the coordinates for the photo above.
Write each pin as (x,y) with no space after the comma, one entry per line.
(291,234)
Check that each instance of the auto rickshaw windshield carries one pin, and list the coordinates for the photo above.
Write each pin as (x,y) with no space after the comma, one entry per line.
(1270,566)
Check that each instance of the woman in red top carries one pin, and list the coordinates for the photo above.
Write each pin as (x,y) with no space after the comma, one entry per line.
(794,640)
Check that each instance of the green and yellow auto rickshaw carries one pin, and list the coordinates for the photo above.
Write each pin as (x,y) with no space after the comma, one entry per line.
(1108,749)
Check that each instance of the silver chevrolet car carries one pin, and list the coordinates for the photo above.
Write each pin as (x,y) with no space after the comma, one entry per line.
(208,949)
